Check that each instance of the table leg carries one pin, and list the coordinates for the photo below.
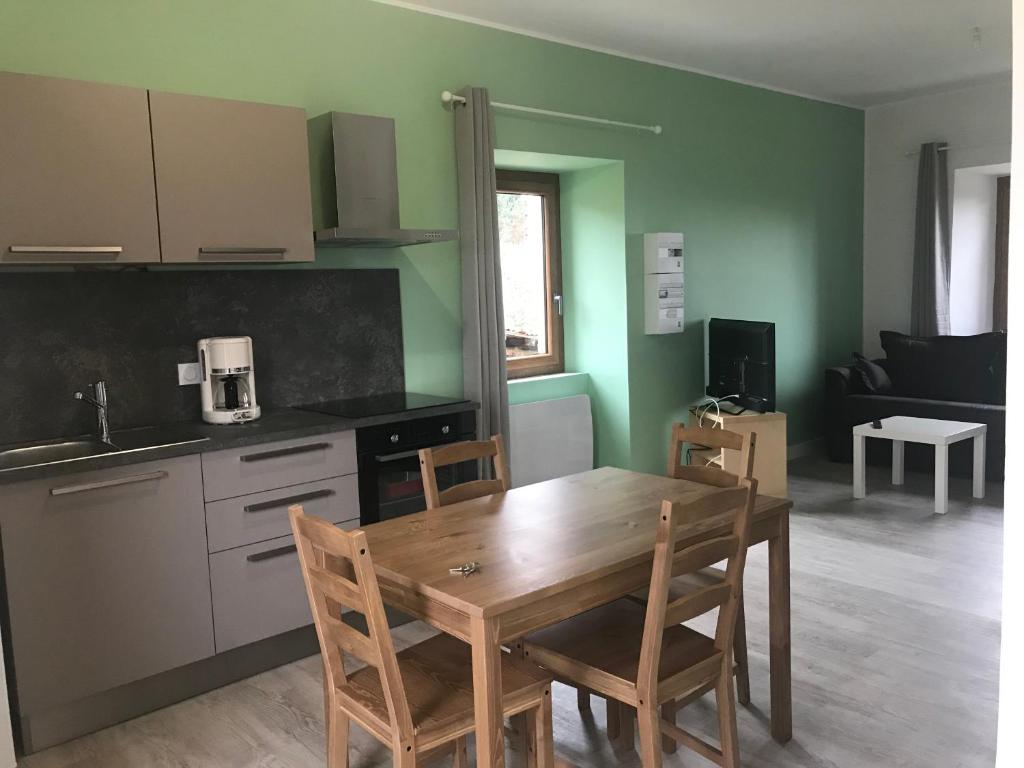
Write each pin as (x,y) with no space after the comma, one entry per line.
(941,479)
(859,483)
(779,632)
(979,466)
(490,727)
(897,462)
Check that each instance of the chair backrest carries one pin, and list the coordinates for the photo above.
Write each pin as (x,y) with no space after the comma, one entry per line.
(454,453)
(732,506)
(338,572)
(698,437)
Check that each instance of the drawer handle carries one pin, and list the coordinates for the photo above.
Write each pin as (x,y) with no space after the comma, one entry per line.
(385,458)
(68,250)
(282,452)
(296,499)
(112,483)
(244,253)
(270,554)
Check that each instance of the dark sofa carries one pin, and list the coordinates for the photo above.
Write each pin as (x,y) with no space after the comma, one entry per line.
(956,378)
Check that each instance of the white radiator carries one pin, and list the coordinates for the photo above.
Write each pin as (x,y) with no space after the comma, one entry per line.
(551,438)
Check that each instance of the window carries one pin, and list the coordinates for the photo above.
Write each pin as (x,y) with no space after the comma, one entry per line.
(531,272)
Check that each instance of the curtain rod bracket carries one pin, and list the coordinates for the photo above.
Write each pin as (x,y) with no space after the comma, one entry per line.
(449,99)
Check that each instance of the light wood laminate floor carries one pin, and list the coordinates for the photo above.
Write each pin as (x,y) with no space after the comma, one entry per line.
(895,655)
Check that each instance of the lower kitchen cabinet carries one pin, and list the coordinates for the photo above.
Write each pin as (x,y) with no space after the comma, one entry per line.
(107,578)
(125,586)
(258,591)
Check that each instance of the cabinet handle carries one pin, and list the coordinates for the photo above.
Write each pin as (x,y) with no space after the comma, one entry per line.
(67,250)
(244,253)
(385,458)
(296,499)
(281,452)
(112,483)
(257,557)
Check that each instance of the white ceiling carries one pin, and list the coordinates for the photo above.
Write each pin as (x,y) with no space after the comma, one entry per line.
(858,52)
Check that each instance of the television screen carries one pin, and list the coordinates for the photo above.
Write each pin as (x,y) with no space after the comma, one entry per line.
(741,363)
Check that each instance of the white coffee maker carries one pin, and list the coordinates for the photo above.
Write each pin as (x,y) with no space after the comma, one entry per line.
(228,385)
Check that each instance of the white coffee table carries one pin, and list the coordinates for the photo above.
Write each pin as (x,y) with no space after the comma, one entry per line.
(941,434)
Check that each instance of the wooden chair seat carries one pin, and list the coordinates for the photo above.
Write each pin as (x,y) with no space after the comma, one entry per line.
(687,584)
(438,676)
(608,640)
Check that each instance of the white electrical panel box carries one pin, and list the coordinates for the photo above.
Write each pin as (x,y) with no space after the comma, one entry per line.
(663,282)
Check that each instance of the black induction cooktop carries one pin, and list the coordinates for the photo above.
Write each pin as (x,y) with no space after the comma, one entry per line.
(379,405)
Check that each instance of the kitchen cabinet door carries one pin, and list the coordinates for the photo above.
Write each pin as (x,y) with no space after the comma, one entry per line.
(107,578)
(232,179)
(76,173)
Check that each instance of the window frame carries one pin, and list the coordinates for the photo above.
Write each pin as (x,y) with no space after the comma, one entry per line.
(546,186)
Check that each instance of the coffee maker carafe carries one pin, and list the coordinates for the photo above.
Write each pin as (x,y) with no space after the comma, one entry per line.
(228,386)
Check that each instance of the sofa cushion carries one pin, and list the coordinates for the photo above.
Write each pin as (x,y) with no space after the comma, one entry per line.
(873,376)
(966,369)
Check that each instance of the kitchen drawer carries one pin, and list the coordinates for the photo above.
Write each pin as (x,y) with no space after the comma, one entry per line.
(258,592)
(262,516)
(276,465)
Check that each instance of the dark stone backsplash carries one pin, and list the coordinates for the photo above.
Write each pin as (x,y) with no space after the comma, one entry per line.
(317,334)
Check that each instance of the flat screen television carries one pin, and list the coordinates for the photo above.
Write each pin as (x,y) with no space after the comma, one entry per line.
(741,363)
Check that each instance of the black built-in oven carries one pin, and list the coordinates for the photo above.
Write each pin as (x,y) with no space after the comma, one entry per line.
(390,483)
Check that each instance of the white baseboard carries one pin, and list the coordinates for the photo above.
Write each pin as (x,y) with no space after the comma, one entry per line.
(815,447)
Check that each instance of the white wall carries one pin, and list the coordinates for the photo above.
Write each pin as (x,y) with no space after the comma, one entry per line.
(972,276)
(1010,750)
(975,122)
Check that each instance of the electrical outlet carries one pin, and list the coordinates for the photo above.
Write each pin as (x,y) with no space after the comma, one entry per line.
(188,373)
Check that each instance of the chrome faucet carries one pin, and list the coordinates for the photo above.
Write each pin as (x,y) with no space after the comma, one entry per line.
(99,402)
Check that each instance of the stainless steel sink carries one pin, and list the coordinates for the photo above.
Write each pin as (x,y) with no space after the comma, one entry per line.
(49,453)
(73,449)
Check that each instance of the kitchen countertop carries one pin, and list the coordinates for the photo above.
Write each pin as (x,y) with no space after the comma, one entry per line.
(275,424)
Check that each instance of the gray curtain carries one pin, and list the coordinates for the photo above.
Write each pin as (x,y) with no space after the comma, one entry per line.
(929,305)
(483,318)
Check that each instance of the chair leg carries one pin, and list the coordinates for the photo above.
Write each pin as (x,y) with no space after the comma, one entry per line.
(583,699)
(627,731)
(740,656)
(337,741)
(461,758)
(336,727)
(648,719)
(728,734)
(543,744)
(613,719)
(668,712)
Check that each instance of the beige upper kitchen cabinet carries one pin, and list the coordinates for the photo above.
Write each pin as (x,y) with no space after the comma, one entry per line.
(76,173)
(232,179)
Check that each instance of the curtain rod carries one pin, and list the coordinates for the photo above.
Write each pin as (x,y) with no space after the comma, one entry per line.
(946,148)
(447,97)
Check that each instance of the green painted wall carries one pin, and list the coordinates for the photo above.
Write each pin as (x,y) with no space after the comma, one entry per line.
(767,187)
(594,284)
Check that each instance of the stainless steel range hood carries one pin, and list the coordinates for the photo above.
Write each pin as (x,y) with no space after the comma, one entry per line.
(359,187)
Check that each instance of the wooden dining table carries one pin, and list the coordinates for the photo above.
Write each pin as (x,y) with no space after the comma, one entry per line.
(549,551)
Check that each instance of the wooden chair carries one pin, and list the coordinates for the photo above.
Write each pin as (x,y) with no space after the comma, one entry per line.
(418,702)
(709,437)
(644,656)
(455,453)
(722,440)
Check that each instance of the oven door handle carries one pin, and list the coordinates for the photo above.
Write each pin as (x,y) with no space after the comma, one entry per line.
(396,456)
